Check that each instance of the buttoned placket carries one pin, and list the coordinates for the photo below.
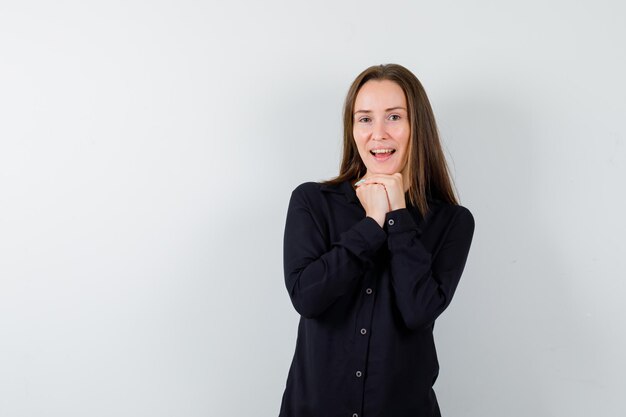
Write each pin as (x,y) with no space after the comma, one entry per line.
(362,339)
(364,320)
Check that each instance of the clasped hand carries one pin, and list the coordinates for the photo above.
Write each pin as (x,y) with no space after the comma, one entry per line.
(380,194)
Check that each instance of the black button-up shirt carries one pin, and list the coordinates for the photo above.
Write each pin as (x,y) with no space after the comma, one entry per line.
(368,297)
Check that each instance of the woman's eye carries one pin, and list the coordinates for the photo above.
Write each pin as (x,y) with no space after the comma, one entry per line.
(394,117)
(364,119)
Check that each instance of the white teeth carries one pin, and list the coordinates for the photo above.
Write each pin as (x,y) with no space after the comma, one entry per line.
(382,150)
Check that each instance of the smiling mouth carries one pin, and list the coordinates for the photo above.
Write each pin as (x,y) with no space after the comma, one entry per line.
(382,156)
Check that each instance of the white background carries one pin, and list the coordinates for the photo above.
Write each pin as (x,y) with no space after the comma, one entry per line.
(148,151)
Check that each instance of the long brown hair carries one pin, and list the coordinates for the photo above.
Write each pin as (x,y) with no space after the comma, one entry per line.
(427,169)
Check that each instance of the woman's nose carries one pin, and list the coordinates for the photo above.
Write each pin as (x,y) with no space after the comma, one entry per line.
(378,131)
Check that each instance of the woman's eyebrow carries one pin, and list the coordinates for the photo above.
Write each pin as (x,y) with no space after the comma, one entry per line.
(389,109)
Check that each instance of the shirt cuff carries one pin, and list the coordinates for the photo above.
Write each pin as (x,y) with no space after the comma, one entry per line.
(399,221)
(372,232)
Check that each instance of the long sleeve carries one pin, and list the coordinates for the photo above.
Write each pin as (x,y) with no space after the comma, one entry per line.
(423,286)
(317,272)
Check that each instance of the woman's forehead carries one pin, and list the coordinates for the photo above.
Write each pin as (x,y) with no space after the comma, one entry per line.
(380,95)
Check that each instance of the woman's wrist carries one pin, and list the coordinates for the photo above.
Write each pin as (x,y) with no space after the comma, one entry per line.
(378,219)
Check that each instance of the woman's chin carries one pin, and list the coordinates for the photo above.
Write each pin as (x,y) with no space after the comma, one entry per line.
(389,171)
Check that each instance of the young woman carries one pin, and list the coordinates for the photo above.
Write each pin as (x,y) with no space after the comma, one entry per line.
(372,258)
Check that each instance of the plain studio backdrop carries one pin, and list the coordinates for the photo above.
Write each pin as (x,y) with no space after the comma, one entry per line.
(149,149)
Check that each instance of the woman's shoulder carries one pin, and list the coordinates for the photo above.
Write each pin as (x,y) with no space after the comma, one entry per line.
(315,187)
(307,188)
(319,194)
(453,208)
(450,210)
(459,214)
(307,185)
(306,192)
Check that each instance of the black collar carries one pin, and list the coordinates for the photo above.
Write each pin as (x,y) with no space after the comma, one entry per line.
(349,192)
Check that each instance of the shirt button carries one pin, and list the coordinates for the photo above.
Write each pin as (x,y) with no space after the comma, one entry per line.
(358,374)
(355,415)
(363,331)
(390,222)
(368,291)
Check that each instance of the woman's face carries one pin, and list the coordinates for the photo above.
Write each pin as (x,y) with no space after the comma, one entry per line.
(381,122)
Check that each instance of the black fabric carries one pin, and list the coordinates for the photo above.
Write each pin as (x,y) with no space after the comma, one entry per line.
(368,297)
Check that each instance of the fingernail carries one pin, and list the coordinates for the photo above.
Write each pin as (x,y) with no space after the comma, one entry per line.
(358,182)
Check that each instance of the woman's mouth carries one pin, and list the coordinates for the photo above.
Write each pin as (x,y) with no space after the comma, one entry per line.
(381,155)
